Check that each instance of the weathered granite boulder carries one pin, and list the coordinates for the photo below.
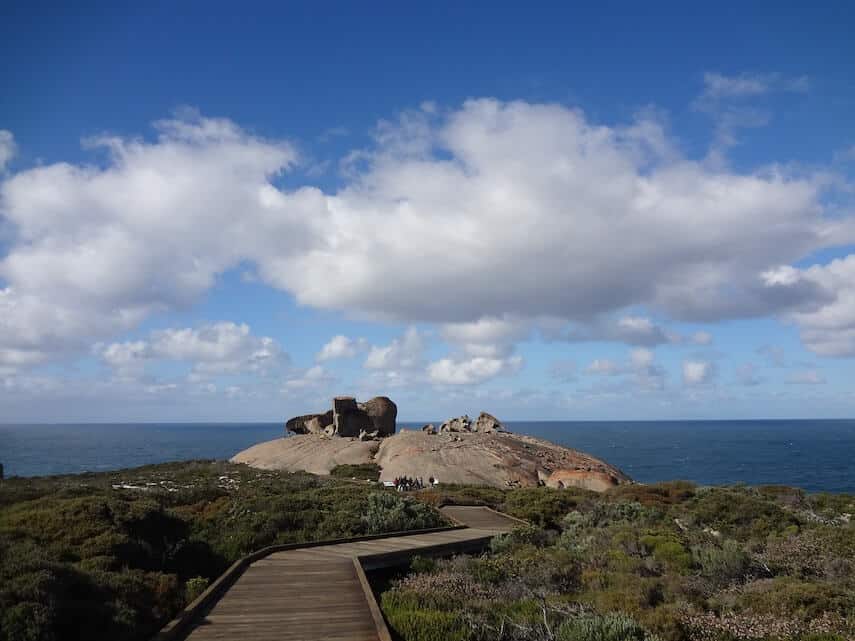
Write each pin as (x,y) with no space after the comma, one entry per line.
(488,423)
(297,424)
(309,423)
(459,424)
(430,428)
(319,423)
(589,479)
(348,418)
(383,414)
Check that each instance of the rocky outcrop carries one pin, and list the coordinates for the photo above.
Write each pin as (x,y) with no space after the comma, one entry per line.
(498,459)
(375,417)
(348,419)
(459,451)
(383,414)
(314,453)
(310,423)
(459,424)
(588,479)
(487,423)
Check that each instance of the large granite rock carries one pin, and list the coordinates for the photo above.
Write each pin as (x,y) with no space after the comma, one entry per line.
(459,451)
(314,453)
(598,480)
(487,423)
(310,423)
(349,418)
(497,459)
(383,414)
(459,424)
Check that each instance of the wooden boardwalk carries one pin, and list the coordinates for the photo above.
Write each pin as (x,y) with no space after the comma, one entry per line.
(320,593)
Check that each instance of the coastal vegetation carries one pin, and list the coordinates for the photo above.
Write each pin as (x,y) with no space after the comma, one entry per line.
(116,555)
(364,471)
(668,562)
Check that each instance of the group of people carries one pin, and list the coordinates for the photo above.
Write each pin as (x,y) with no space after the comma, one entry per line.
(405,483)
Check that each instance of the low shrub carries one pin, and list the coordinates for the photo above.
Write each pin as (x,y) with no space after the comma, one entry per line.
(607,627)
(411,618)
(654,494)
(794,598)
(722,564)
(422,564)
(519,537)
(450,494)
(194,588)
(389,512)
(544,507)
(668,551)
(823,552)
(740,513)
(361,471)
(427,625)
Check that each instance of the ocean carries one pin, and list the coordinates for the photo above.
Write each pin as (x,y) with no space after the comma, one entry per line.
(817,455)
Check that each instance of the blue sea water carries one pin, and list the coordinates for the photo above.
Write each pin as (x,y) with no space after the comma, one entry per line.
(817,455)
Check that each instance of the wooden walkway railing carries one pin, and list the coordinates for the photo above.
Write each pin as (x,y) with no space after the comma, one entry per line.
(319,591)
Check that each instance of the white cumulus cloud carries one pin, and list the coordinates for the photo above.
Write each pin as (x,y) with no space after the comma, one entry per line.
(96,250)
(829,330)
(467,371)
(217,348)
(313,377)
(340,347)
(403,353)
(698,372)
(478,218)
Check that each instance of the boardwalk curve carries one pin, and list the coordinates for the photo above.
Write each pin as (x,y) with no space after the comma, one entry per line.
(320,592)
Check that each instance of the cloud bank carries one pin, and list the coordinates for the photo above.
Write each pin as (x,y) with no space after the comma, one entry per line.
(484,219)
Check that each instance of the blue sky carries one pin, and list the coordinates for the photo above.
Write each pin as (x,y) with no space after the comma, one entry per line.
(223,212)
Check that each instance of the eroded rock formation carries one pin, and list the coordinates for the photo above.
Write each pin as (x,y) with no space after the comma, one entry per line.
(383,413)
(459,424)
(498,459)
(486,423)
(310,423)
(459,451)
(373,418)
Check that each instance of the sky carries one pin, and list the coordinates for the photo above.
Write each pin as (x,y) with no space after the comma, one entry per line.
(233,212)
